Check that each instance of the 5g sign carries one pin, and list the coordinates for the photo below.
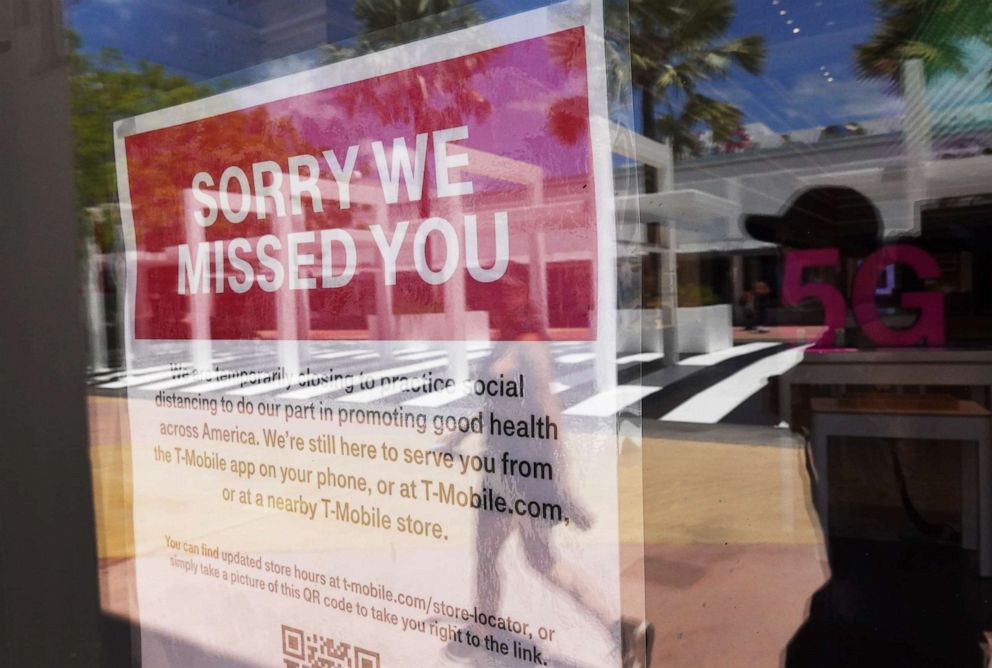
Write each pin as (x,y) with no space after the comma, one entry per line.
(929,326)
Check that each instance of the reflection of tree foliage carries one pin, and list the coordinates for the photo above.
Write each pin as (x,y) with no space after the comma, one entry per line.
(567,50)
(567,118)
(446,99)
(104,89)
(933,31)
(675,46)
(392,22)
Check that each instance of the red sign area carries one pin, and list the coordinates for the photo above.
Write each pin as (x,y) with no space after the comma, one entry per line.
(446,201)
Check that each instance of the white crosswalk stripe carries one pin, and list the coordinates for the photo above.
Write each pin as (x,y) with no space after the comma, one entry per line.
(173,383)
(639,357)
(715,402)
(576,358)
(422,355)
(341,353)
(441,398)
(378,392)
(388,390)
(709,359)
(216,385)
(272,386)
(611,401)
(133,380)
(709,405)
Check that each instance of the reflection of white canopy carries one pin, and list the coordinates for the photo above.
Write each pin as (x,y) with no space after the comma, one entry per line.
(912,182)
(682,206)
(941,178)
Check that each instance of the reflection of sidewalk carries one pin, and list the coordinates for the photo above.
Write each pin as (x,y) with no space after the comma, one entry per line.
(793,334)
(728,605)
(732,549)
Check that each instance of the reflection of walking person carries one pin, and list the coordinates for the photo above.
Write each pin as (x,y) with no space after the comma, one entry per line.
(893,598)
(755,305)
(523,349)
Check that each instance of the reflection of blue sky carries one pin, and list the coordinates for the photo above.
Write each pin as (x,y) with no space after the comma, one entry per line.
(206,39)
(948,95)
(809,79)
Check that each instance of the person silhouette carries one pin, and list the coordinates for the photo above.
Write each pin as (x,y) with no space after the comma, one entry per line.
(886,603)
(523,347)
(832,224)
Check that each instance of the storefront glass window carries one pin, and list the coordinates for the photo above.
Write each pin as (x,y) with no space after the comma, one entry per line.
(528,333)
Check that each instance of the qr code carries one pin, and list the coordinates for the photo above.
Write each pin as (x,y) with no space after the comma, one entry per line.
(312,650)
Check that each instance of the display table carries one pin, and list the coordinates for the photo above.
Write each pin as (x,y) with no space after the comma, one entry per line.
(905,367)
(919,418)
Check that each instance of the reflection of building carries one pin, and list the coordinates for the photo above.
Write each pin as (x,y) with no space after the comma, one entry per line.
(940,200)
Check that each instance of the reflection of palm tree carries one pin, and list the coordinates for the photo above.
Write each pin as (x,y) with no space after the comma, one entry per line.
(933,31)
(446,99)
(568,119)
(392,22)
(676,45)
(388,23)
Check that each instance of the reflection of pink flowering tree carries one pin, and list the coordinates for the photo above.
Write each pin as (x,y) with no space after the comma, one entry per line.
(567,118)
(739,140)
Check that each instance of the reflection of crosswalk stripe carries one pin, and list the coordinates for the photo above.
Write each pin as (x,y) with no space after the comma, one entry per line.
(213,386)
(725,388)
(105,376)
(182,382)
(611,401)
(126,378)
(412,349)
(459,392)
(718,400)
(378,392)
(576,358)
(271,386)
(640,357)
(441,398)
(153,369)
(421,355)
(340,353)
(131,380)
(709,359)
